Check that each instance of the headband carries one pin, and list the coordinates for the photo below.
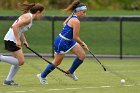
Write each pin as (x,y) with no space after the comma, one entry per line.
(84,8)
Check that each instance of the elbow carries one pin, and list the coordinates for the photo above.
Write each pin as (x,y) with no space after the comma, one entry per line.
(76,38)
(14,27)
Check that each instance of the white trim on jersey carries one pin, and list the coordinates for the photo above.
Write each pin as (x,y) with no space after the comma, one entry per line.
(64,37)
(62,52)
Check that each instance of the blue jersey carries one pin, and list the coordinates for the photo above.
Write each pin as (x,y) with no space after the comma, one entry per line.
(64,42)
(67,30)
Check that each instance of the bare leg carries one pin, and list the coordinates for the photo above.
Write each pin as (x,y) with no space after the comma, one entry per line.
(14,68)
(78,50)
(58,59)
(17,58)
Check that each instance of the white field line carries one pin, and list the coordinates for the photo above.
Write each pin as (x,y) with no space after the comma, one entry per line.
(72,88)
(55,89)
(123,65)
(90,87)
(128,85)
(78,88)
(32,90)
(63,89)
(20,91)
(105,86)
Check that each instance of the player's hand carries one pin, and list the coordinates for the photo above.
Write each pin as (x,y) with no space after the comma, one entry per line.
(85,47)
(18,43)
(26,44)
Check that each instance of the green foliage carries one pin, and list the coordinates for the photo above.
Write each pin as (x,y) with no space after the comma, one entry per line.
(57,4)
(92,4)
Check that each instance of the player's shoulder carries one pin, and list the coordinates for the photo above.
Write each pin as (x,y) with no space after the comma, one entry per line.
(25,16)
(75,20)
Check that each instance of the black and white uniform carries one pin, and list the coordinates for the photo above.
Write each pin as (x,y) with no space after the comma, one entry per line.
(10,40)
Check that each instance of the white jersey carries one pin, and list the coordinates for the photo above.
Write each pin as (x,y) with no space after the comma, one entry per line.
(10,34)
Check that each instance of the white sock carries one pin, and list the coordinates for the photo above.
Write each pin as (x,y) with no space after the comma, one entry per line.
(12,72)
(9,59)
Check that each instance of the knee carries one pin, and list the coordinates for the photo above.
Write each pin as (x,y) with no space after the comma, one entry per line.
(21,62)
(82,56)
(56,63)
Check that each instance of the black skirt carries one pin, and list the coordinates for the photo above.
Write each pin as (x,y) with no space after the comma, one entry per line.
(11,46)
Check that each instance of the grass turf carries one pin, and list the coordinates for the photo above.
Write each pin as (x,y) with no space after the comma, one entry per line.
(91,76)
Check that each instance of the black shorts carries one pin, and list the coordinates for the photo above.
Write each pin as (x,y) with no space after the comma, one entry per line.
(11,46)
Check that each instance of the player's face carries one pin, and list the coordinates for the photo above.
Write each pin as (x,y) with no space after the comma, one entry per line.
(82,13)
(39,15)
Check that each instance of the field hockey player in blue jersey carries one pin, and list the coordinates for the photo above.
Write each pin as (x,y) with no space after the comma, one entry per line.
(68,40)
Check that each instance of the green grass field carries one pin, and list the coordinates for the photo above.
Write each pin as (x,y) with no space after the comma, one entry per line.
(92,78)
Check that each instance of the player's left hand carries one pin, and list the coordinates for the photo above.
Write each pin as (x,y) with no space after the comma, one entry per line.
(85,47)
(26,44)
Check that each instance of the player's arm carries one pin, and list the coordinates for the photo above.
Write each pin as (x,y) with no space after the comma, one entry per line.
(25,19)
(24,39)
(76,28)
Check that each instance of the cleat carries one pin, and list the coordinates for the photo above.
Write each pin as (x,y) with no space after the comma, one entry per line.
(73,76)
(42,80)
(10,83)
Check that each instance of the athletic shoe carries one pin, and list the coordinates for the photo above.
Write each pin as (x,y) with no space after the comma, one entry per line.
(10,83)
(73,76)
(42,80)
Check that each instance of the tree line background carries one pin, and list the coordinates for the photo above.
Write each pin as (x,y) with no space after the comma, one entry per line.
(92,4)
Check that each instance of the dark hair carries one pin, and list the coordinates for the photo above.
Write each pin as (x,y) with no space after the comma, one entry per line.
(74,5)
(33,8)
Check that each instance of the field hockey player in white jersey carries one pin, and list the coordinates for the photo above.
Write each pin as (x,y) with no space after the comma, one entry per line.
(14,36)
(68,40)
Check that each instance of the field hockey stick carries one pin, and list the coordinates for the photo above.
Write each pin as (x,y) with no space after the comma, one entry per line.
(97,60)
(45,59)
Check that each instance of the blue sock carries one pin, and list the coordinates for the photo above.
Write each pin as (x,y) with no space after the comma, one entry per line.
(48,69)
(76,63)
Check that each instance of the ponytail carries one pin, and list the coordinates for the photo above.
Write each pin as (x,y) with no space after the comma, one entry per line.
(33,8)
(27,7)
(74,5)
